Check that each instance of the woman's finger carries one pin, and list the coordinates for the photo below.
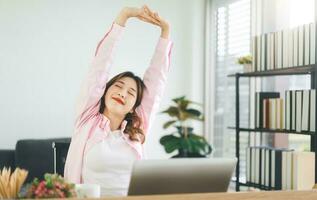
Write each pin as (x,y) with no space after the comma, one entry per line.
(147,20)
(150,18)
(149,11)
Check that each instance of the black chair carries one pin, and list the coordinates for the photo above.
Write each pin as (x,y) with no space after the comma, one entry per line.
(7,158)
(34,155)
(60,152)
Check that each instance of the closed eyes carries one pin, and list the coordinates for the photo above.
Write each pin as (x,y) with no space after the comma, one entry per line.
(119,86)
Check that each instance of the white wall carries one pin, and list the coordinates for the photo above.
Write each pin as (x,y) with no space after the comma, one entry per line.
(46,47)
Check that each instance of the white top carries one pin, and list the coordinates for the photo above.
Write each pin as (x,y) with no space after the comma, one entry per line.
(109,164)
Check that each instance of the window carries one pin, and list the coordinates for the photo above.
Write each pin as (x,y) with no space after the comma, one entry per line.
(233,33)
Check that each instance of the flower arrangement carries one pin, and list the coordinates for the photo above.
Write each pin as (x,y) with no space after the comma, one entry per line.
(53,186)
(10,184)
(245,60)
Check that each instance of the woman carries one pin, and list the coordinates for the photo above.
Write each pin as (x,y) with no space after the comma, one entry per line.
(113,117)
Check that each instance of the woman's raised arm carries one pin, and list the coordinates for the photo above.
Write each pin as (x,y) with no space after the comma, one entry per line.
(94,84)
(155,77)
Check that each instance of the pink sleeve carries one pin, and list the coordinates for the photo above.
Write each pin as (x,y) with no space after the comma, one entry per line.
(94,84)
(155,79)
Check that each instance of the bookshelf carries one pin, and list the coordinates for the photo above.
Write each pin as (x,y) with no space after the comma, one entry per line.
(307,70)
(302,70)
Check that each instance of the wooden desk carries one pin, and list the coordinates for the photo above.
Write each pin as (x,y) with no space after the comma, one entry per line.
(269,195)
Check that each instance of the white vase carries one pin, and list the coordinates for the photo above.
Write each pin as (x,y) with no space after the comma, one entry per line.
(247,67)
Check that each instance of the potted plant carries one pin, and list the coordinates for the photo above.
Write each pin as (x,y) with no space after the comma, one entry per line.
(184,139)
(246,61)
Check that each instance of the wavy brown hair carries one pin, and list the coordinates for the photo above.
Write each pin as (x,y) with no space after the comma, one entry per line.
(133,127)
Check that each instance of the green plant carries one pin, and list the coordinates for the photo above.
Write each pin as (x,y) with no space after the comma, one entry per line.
(183,139)
(245,60)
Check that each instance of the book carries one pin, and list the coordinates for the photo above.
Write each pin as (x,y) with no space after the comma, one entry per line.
(300,46)
(288,108)
(293,110)
(305,111)
(295,46)
(279,113)
(282,116)
(268,51)
(272,50)
(306,44)
(257,165)
(290,48)
(263,53)
(260,96)
(266,113)
(312,118)
(284,170)
(299,105)
(289,169)
(312,43)
(272,114)
(278,169)
(279,49)
(303,170)
(285,60)
(273,168)
(268,164)
(262,166)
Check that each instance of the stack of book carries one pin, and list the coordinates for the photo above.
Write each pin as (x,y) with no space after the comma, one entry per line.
(300,110)
(295,112)
(269,112)
(280,169)
(285,48)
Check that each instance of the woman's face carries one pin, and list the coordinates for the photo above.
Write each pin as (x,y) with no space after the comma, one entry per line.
(121,96)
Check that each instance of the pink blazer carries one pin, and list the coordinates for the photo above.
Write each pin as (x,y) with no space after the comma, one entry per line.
(89,120)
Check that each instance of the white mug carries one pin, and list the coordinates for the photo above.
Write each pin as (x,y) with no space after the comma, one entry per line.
(87,190)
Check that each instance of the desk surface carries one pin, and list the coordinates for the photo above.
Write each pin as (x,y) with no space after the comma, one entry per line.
(271,195)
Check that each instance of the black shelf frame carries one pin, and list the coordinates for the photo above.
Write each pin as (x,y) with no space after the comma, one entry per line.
(249,184)
(264,130)
(301,70)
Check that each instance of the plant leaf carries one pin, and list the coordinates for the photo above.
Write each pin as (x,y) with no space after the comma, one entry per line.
(193,112)
(170,143)
(168,124)
(172,111)
(183,104)
(178,99)
(200,143)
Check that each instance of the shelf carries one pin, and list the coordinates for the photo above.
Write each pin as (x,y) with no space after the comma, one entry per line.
(255,186)
(248,184)
(278,72)
(273,131)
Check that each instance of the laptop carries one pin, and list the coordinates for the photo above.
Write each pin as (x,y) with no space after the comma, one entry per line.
(181,175)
